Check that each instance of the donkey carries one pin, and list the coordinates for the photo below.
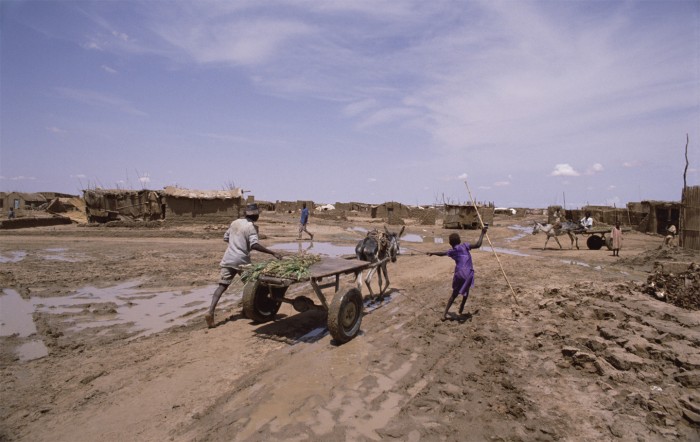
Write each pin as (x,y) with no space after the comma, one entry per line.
(553,231)
(378,248)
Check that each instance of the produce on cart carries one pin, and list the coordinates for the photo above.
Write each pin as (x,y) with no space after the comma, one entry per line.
(267,284)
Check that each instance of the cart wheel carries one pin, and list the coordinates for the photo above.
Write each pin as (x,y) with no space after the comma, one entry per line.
(594,242)
(345,315)
(608,242)
(260,302)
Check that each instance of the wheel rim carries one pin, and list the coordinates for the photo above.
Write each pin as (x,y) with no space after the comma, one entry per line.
(265,304)
(349,315)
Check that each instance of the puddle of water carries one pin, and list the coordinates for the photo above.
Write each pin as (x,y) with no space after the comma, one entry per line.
(524,231)
(32,350)
(13,256)
(319,248)
(502,251)
(358,229)
(142,310)
(580,263)
(412,237)
(320,332)
(314,335)
(61,254)
(16,318)
(15,315)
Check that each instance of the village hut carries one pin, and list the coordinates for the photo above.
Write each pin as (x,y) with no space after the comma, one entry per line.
(392,212)
(103,205)
(293,206)
(185,205)
(354,207)
(424,215)
(21,201)
(690,222)
(656,216)
(465,216)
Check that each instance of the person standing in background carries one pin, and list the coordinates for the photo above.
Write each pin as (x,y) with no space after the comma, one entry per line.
(303,220)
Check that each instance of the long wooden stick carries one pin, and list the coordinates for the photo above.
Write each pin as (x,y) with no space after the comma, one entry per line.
(489,240)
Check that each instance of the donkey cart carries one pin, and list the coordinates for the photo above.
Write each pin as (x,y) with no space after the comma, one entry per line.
(262,297)
(597,238)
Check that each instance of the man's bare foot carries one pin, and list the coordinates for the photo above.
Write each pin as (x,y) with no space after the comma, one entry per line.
(210,320)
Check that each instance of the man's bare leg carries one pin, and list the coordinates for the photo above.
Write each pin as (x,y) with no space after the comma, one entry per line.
(209,317)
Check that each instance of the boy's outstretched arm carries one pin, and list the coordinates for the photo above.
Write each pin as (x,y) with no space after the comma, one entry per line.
(443,253)
(477,244)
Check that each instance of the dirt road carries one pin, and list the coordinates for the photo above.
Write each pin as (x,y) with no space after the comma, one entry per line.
(585,354)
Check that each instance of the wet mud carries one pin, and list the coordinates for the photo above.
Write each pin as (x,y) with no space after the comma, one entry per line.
(581,350)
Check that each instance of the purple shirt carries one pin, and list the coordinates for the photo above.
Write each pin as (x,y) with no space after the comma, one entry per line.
(464,271)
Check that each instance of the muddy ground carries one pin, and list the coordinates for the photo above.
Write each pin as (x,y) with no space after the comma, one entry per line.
(582,350)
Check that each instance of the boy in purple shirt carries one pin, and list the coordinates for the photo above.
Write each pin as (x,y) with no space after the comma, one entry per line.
(463,278)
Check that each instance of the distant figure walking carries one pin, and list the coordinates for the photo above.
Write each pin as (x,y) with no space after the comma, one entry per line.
(303,220)
(616,234)
(11,215)
(463,279)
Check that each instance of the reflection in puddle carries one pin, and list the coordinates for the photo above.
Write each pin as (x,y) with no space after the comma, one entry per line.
(319,248)
(144,311)
(13,256)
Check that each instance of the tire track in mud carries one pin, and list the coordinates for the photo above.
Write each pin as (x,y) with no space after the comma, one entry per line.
(403,362)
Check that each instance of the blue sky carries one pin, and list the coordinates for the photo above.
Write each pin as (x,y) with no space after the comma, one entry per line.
(530,102)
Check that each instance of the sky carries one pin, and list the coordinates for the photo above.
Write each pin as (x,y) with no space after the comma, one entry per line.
(520,103)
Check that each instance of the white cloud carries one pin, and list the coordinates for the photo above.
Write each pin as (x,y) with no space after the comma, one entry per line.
(19,178)
(79,176)
(564,170)
(249,41)
(371,180)
(55,130)
(501,183)
(463,177)
(632,164)
(358,107)
(93,45)
(108,69)
(594,169)
(145,178)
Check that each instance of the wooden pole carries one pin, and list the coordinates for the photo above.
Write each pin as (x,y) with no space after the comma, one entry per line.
(490,244)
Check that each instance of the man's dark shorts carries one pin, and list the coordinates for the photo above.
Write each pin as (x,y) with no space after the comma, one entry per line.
(226,275)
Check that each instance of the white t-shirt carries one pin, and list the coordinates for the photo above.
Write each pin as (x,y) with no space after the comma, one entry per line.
(241,235)
(587,222)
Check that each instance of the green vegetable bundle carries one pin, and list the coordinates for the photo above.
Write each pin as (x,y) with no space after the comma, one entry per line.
(291,267)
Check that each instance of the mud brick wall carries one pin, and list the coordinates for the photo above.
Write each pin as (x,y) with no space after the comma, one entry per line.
(21,223)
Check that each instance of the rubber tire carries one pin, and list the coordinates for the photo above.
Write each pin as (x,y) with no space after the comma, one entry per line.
(595,242)
(345,315)
(261,303)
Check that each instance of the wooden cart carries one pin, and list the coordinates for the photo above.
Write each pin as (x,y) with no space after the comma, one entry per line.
(263,297)
(597,238)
